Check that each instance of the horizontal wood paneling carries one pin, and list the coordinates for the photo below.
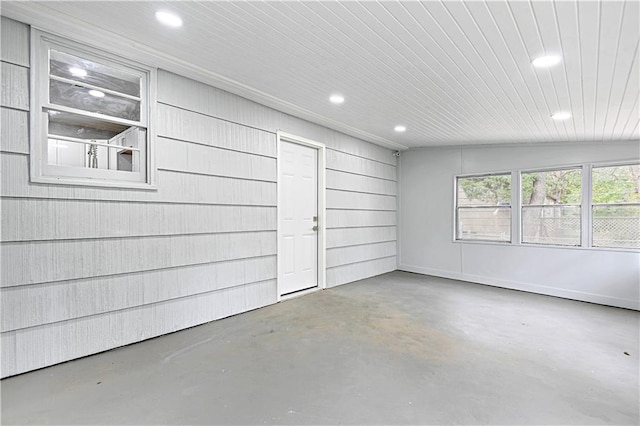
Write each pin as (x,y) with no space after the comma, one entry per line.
(14,130)
(195,96)
(359,218)
(173,187)
(14,39)
(15,86)
(190,126)
(87,269)
(359,201)
(33,305)
(353,164)
(342,237)
(194,158)
(360,148)
(358,183)
(8,353)
(345,255)
(40,262)
(359,271)
(53,343)
(41,219)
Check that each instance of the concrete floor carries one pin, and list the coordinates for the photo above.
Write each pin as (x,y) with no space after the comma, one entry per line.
(398,348)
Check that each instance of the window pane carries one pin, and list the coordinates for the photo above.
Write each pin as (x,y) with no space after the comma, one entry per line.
(559,225)
(89,72)
(80,126)
(551,187)
(617,184)
(65,153)
(484,223)
(78,141)
(62,152)
(484,191)
(73,96)
(616,226)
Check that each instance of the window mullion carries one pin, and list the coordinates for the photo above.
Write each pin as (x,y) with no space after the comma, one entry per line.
(103,117)
(92,86)
(587,209)
(516,195)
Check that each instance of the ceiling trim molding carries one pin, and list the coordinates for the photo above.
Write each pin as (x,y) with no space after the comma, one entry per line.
(39,16)
(530,144)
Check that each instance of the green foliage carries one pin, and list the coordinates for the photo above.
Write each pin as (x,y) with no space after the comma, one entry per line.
(619,184)
(558,186)
(490,190)
(616,184)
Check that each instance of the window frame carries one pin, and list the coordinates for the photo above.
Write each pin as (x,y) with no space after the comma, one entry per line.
(522,206)
(456,208)
(40,169)
(590,204)
(516,201)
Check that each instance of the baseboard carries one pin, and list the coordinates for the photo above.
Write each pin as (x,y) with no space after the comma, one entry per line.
(528,287)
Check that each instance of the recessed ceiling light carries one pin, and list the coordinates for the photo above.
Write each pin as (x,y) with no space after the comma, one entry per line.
(96,93)
(562,115)
(400,128)
(336,99)
(169,19)
(77,72)
(546,61)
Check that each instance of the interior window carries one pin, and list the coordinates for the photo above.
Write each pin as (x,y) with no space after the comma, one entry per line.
(92,114)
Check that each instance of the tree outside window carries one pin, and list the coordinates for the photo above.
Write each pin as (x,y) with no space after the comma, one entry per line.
(551,207)
(616,206)
(483,207)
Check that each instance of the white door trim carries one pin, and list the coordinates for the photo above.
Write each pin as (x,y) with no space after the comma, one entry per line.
(322,267)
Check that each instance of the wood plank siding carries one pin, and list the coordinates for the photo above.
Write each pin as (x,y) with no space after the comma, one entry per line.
(89,269)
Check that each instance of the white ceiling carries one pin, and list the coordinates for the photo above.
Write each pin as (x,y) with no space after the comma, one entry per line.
(452,72)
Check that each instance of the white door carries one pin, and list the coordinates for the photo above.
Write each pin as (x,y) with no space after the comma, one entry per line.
(298,217)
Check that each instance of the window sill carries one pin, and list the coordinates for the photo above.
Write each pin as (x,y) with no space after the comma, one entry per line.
(63,180)
(549,246)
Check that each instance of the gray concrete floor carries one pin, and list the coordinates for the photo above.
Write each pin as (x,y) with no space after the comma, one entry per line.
(398,348)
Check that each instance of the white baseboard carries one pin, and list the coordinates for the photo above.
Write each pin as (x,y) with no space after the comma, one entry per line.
(528,287)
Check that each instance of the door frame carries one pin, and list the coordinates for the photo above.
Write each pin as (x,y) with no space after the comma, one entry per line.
(322,266)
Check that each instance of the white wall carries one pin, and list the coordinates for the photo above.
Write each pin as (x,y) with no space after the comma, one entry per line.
(426,204)
(86,269)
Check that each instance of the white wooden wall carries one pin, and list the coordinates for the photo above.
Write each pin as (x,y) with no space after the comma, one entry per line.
(89,269)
